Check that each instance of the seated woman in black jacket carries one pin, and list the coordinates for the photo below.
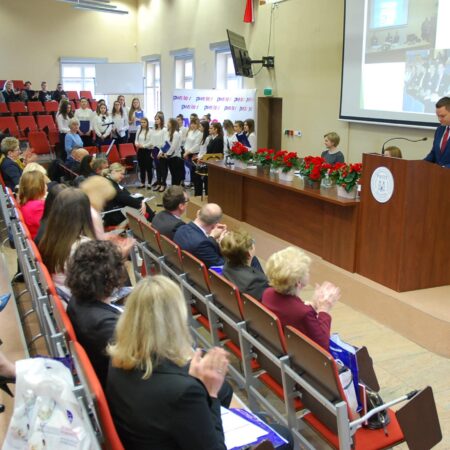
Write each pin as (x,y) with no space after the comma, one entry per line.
(241,266)
(162,395)
(115,174)
(94,271)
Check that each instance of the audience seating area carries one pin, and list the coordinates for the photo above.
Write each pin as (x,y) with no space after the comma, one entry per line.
(301,374)
(268,355)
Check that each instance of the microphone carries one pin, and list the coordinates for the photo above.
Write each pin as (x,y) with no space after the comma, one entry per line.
(402,139)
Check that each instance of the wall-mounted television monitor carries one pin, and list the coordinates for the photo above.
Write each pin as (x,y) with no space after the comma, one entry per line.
(241,60)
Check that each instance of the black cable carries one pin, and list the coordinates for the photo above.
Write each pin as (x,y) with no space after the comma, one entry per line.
(270,38)
(270,28)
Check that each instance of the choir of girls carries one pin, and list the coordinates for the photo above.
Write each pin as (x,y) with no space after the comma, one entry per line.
(162,146)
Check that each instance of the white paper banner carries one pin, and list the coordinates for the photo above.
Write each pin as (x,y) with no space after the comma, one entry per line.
(221,104)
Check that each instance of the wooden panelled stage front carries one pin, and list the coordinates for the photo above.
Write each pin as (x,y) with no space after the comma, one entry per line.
(316,220)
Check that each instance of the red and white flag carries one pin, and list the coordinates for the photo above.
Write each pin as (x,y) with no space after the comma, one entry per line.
(248,15)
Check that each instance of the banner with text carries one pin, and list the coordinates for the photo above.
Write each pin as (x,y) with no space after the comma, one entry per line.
(236,104)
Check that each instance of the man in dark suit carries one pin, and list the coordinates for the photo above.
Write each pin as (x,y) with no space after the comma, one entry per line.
(440,153)
(168,220)
(202,236)
(10,168)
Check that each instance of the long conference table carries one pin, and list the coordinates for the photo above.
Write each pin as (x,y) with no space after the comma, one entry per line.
(316,220)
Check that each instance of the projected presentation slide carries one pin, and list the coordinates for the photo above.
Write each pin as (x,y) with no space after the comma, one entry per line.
(401,62)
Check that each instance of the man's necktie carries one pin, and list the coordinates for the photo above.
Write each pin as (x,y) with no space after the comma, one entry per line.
(444,140)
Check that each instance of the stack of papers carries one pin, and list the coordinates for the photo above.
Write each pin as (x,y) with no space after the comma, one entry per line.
(242,428)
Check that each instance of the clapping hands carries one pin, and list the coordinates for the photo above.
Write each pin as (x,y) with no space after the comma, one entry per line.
(218,232)
(211,369)
(325,296)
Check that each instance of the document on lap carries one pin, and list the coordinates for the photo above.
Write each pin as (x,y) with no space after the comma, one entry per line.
(242,428)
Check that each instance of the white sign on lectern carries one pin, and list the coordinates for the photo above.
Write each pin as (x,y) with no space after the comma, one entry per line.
(382,184)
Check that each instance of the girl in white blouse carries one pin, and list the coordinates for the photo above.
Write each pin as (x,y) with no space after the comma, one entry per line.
(103,125)
(84,115)
(191,147)
(173,155)
(62,122)
(229,136)
(157,142)
(182,129)
(134,117)
(144,147)
(121,100)
(120,120)
(249,130)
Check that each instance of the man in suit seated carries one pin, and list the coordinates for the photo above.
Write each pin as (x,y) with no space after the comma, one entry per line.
(440,153)
(202,236)
(168,220)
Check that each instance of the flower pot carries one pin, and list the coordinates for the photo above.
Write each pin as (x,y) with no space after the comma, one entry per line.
(238,164)
(341,192)
(264,170)
(312,184)
(286,176)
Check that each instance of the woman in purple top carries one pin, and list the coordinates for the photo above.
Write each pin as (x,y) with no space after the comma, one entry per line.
(288,272)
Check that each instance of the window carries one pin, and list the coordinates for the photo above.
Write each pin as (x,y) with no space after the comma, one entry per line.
(79,75)
(184,73)
(225,75)
(152,87)
(183,68)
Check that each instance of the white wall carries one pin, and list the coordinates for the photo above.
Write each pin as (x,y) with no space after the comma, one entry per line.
(306,42)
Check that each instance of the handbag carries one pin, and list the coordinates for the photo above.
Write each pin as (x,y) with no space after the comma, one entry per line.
(380,419)
(345,354)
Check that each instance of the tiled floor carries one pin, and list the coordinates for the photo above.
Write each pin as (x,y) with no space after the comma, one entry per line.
(401,365)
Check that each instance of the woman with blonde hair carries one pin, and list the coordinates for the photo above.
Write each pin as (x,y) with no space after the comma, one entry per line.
(34,166)
(135,114)
(32,192)
(288,273)
(332,154)
(152,362)
(393,152)
(100,191)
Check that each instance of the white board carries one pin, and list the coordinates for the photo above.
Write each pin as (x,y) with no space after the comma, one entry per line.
(236,104)
(119,78)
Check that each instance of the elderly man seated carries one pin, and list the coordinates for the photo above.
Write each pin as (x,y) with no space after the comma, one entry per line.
(202,236)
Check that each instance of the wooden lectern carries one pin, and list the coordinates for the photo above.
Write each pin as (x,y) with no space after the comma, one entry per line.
(404,243)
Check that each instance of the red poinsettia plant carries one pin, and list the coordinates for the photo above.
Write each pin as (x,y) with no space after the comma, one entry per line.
(346,175)
(240,152)
(314,168)
(264,156)
(286,161)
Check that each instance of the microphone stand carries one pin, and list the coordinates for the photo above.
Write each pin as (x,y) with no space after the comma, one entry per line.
(402,139)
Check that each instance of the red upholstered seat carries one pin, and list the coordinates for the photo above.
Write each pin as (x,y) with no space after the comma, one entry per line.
(365,439)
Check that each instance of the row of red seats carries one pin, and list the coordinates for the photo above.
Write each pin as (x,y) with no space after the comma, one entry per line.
(20,126)
(22,108)
(123,153)
(18,84)
(71,95)
(66,344)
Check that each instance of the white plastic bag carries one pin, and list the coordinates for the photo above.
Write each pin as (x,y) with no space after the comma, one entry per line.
(346,378)
(46,412)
